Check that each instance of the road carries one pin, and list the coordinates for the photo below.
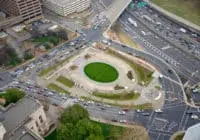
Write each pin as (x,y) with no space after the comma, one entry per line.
(167,42)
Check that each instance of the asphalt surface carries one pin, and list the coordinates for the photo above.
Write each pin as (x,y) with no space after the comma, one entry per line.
(155,40)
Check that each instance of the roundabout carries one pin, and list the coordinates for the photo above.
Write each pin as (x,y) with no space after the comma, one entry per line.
(101,72)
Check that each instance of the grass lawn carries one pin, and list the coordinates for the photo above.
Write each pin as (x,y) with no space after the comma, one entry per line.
(12,96)
(65,81)
(107,130)
(110,131)
(187,9)
(52,39)
(101,72)
(143,75)
(57,88)
(123,37)
(179,136)
(119,96)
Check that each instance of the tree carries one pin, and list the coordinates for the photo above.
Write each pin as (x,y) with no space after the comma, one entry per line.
(12,95)
(64,131)
(75,125)
(28,55)
(115,133)
(63,34)
(4,58)
(74,114)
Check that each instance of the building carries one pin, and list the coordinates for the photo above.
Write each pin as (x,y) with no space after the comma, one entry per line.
(192,133)
(26,10)
(66,7)
(25,120)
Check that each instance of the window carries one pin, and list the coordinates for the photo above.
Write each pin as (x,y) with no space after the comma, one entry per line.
(36,123)
(40,118)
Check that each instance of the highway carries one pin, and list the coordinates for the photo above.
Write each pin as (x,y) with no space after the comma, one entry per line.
(153,41)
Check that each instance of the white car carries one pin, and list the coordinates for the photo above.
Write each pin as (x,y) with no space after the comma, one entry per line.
(122,112)
(50,93)
(158,111)
(65,98)
(194,116)
(123,121)
(140,110)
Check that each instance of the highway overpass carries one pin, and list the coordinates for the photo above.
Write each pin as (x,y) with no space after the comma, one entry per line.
(116,9)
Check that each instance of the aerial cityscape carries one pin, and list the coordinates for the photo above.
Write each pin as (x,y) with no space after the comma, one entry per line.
(99,70)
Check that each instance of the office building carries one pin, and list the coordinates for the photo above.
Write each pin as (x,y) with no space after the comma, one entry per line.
(24,120)
(27,10)
(66,7)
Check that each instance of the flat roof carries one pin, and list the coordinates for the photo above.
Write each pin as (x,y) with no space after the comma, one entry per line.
(19,112)
(63,3)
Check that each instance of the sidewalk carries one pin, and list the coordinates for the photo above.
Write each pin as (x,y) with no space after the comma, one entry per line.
(133,125)
(173,16)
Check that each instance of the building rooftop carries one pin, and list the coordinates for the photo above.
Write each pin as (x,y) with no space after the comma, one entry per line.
(192,133)
(16,114)
(22,133)
(63,3)
(107,3)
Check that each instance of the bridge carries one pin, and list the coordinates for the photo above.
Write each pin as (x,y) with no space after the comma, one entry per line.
(116,9)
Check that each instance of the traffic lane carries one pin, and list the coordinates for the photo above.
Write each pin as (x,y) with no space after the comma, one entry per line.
(162,67)
(166,27)
(158,136)
(110,113)
(5,79)
(172,62)
(140,28)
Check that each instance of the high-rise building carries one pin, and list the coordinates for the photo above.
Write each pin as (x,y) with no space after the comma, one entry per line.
(29,10)
(66,7)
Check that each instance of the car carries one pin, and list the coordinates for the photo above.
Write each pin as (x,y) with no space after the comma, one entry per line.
(126,110)
(158,111)
(123,121)
(121,112)
(188,112)
(113,120)
(65,98)
(145,114)
(85,104)
(169,71)
(130,53)
(102,108)
(139,110)
(98,104)
(194,116)
(50,93)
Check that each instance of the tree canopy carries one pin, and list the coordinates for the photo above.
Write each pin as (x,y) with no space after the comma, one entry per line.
(75,125)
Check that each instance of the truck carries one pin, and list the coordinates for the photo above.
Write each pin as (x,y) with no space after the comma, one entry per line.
(132,22)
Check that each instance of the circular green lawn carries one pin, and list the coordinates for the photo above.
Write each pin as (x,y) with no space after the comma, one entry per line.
(101,72)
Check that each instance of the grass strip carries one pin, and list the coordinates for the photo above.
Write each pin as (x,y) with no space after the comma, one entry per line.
(57,88)
(119,96)
(144,76)
(65,81)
